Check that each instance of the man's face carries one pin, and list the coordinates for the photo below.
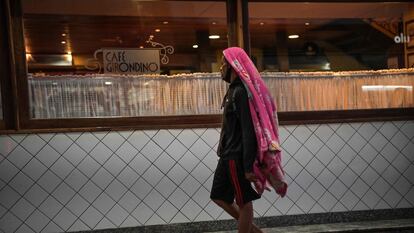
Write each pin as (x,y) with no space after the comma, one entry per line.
(225,70)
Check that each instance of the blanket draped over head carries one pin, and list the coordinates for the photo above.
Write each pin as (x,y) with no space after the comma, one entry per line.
(267,166)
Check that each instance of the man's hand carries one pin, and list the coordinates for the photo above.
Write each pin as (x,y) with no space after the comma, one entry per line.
(250,176)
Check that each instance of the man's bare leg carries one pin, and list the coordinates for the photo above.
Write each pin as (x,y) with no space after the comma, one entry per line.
(233,210)
(246,218)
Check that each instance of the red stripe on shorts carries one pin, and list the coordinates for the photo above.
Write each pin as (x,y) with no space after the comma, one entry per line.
(237,189)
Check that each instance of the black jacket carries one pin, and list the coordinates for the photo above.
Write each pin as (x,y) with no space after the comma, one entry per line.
(238,138)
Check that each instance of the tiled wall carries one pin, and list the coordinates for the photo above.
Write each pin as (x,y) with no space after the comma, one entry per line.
(78,181)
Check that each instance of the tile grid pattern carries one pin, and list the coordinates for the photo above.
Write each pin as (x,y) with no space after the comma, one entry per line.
(80,181)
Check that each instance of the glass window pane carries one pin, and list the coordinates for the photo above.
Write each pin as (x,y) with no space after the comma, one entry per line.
(123,58)
(334,56)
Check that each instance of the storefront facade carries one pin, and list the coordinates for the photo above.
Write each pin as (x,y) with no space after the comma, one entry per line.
(111,109)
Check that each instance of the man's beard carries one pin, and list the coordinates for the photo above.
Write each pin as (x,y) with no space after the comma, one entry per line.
(227,75)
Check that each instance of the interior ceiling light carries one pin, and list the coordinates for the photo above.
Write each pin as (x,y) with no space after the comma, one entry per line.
(63,42)
(63,34)
(157,30)
(141,47)
(261,23)
(307,24)
(214,23)
(293,36)
(165,22)
(195,46)
(214,37)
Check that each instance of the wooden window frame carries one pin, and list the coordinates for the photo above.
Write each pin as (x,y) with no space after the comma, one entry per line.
(15,87)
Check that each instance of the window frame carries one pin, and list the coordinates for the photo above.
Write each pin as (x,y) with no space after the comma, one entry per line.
(15,87)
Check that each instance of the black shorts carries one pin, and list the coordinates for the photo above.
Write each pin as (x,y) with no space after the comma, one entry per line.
(229,183)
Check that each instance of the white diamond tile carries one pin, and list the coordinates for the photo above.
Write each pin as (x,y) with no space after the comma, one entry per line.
(91,217)
(377,125)
(292,168)
(290,128)
(261,206)
(103,203)
(129,201)
(360,206)
(378,141)
(105,224)
(101,153)
(325,155)
(401,162)
(312,127)
(151,151)
(295,191)
(389,152)
(7,171)
(190,185)
(388,130)
(409,173)
(305,202)
(327,201)
(113,140)
(90,191)
(391,175)
(115,190)
(201,197)
(75,135)
(102,178)
(167,211)
(368,153)
(77,205)
(324,132)
(138,139)
(87,141)
(359,188)
(335,143)
(74,154)
(211,160)
(22,209)
(62,167)
(60,142)
(201,173)
(346,154)
(37,221)
(379,164)
(153,175)
(8,197)
(392,197)
(382,205)
(199,131)
(63,193)
(34,169)
(358,165)
(36,195)
(295,210)
(303,156)
(163,138)
(128,177)
(315,190)
(76,179)
(175,132)
(316,209)
(19,157)
(348,177)
(336,166)
(49,181)
(403,204)
(408,129)
(357,142)
(155,220)
(21,183)
(125,134)
(17,137)
(165,187)
(164,162)
(178,198)
(380,187)
(291,145)
(140,164)
(408,151)
(370,198)
(154,200)
(283,134)
(200,149)
(189,161)
(117,215)
(78,226)
(7,144)
(326,178)
(50,207)
(114,165)
(47,155)
(338,189)
(33,144)
(314,167)
(211,137)
(410,195)
(130,222)
(9,223)
(127,152)
(302,133)
(191,209)
(213,210)
(24,229)
(151,133)
(142,213)
(402,185)
(367,131)
(176,149)
(369,176)
(88,166)
(345,131)
(187,137)
(141,188)
(304,179)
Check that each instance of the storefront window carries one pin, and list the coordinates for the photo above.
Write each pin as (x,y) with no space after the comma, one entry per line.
(123,58)
(334,56)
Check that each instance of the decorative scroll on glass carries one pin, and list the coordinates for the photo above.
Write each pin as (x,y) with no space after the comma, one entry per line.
(192,94)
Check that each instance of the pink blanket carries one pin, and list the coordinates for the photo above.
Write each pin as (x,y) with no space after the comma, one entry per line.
(267,166)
